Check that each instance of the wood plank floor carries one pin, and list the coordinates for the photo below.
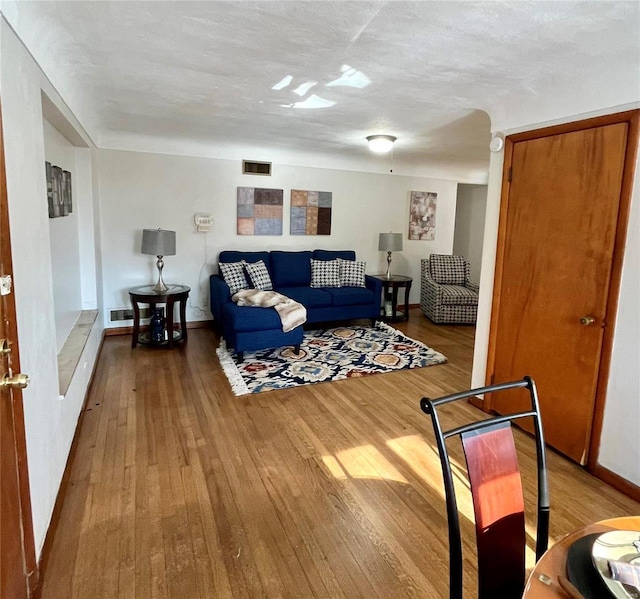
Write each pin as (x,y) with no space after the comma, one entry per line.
(178,489)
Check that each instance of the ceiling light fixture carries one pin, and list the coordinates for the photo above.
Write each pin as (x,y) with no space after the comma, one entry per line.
(380,144)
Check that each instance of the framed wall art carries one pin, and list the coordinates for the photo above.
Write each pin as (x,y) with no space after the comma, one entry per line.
(59,196)
(422,215)
(310,212)
(260,211)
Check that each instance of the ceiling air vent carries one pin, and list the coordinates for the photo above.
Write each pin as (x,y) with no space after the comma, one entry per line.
(251,167)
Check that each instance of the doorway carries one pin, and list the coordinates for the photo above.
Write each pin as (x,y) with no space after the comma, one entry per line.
(564,210)
(18,569)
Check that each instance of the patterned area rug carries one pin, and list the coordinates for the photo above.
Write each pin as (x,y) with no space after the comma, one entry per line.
(329,355)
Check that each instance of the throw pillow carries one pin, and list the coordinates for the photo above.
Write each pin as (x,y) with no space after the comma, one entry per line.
(352,273)
(259,275)
(233,275)
(325,273)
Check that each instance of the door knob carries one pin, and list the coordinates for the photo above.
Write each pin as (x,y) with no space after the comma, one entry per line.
(587,320)
(17,381)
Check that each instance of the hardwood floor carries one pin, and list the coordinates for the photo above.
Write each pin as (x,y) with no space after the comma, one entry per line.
(178,489)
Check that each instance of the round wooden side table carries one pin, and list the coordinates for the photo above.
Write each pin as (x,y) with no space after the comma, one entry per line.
(145,294)
(390,289)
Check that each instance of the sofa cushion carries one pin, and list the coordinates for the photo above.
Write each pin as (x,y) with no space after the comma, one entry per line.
(259,275)
(351,296)
(308,296)
(233,275)
(325,273)
(236,256)
(244,318)
(289,269)
(448,270)
(352,273)
(457,295)
(333,254)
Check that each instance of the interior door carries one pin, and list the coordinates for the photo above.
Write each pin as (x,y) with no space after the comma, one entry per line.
(17,554)
(559,232)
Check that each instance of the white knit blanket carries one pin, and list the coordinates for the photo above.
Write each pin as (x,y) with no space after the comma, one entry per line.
(292,314)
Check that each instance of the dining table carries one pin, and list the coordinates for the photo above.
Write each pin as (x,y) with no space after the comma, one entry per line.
(543,580)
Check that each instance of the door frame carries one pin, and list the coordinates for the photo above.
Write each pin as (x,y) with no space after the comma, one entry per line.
(28,540)
(632,118)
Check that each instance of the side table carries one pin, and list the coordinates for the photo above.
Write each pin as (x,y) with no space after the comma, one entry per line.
(390,289)
(146,295)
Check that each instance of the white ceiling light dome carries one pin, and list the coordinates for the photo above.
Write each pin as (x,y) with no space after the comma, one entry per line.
(380,144)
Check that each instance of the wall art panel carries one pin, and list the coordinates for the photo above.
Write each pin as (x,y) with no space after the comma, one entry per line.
(310,212)
(260,211)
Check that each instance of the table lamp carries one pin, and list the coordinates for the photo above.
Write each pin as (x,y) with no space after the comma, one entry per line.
(159,243)
(389,242)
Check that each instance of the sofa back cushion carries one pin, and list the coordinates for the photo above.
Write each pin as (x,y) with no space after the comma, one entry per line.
(333,254)
(448,270)
(236,256)
(290,269)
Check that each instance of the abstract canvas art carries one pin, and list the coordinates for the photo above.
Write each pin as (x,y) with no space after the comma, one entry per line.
(310,212)
(259,211)
(59,197)
(422,215)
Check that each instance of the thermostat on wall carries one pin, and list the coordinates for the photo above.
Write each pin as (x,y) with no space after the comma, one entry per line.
(203,221)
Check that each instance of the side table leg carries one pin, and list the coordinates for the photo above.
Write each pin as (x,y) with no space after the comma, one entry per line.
(407,290)
(136,323)
(394,303)
(183,318)
(170,321)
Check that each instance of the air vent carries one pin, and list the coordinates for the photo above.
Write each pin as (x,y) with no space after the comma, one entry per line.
(250,167)
(127,314)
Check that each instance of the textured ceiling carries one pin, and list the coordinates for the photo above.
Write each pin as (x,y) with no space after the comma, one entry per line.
(199,77)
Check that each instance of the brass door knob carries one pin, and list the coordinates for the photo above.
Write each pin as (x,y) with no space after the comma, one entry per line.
(587,320)
(17,381)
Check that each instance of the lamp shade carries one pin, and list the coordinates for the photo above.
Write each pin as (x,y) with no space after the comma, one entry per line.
(390,242)
(158,242)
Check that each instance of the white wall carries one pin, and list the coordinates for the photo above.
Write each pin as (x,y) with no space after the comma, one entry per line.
(140,190)
(468,237)
(63,239)
(50,422)
(619,445)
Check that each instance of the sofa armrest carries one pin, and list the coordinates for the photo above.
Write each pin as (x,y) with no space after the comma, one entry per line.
(219,295)
(375,285)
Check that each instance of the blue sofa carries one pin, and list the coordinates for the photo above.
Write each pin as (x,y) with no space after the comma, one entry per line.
(247,328)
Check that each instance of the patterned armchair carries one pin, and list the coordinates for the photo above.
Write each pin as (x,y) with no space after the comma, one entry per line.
(446,294)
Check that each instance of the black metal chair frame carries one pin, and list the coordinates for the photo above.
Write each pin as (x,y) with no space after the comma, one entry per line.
(430,406)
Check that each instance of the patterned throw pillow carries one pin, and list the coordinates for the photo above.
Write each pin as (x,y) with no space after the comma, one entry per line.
(352,273)
(259,275)
(233,275)
(325,273)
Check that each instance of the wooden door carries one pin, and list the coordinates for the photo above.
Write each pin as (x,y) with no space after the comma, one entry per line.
(18,570)
(559,232)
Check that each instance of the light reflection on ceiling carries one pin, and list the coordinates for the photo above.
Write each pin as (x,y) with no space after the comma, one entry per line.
(350,77)
(312,101)
(301,90)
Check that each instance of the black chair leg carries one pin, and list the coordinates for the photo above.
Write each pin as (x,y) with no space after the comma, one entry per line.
(296,348)
(239,357)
